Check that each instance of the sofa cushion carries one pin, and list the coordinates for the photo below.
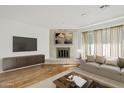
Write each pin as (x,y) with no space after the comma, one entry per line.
(109,68)
(90,67)
(93,64)
(90,58)
(100,59)
(122,71)
(112,61)
(121,62)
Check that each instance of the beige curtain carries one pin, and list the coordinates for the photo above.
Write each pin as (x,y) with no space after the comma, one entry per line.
(107,42)
(85,44)
(98,42)
(122,42)
(115,41)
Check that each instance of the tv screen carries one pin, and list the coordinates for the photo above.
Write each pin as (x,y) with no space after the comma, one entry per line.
(24,44)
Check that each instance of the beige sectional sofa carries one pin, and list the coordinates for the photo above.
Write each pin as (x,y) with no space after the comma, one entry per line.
(111,71)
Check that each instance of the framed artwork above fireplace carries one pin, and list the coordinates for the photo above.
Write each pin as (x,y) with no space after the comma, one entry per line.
(63,37)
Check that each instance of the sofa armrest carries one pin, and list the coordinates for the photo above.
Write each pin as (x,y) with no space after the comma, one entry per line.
(82,61)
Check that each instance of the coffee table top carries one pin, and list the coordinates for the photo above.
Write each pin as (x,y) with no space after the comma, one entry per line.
(73,80)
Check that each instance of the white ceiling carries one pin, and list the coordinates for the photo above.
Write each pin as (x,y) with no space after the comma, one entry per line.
(61,16)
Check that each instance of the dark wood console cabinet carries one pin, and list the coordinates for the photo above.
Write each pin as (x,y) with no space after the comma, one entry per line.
(22,61)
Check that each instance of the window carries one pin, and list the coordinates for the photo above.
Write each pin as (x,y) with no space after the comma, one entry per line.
(108,42)
(91,43)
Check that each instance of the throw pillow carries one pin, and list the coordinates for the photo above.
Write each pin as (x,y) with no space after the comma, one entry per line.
(121,62)
(100,59)
(112,61)
(90,58)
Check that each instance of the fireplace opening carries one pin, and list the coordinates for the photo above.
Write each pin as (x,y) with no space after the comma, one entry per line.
(63,52)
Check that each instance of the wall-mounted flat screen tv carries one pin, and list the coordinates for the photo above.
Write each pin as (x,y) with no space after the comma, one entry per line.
(21,44)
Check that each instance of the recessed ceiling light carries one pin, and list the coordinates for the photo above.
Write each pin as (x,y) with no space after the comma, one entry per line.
(104,6)
(83,14)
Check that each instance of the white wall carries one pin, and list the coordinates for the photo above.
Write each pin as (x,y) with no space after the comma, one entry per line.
(10,28)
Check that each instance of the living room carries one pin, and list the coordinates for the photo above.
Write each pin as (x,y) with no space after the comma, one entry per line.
(62,46)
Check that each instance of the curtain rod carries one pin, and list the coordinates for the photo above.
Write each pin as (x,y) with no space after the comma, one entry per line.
(103,28)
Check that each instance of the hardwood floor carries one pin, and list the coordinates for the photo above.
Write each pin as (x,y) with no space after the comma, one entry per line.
(28,76)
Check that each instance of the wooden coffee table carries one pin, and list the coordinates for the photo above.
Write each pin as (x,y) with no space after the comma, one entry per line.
(65,82)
